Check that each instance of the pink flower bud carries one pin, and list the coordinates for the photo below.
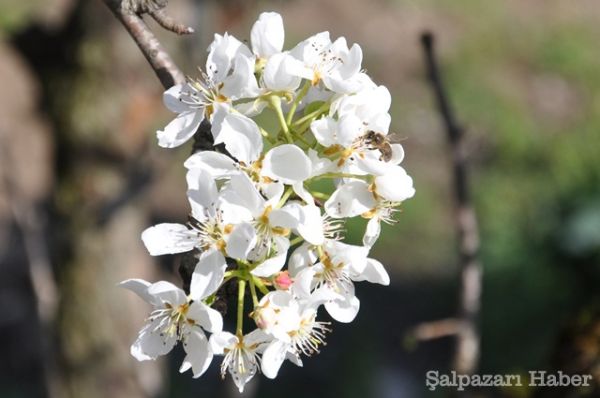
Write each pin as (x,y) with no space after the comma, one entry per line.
(283,281)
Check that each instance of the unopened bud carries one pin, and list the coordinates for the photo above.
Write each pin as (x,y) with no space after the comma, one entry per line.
(265,317)
(283,281)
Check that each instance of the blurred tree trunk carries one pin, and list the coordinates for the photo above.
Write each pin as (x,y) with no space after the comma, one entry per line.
(81,166)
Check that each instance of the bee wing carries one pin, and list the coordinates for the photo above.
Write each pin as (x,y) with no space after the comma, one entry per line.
(395,138)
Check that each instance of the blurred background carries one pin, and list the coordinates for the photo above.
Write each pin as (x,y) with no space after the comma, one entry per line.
(81,176)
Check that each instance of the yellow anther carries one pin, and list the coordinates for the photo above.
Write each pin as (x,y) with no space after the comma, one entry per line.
(281,231)
(332,149)
(264,218)
(369,214)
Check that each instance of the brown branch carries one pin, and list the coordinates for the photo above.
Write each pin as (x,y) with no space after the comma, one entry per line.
(130,12)
(468,340)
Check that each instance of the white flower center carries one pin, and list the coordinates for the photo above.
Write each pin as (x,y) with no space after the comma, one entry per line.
(210,232)
(202,93)
(169,321)
(309,336)
(241,360)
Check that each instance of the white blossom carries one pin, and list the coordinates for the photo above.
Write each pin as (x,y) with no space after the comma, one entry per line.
(174,318)
(241,354)
(259,220)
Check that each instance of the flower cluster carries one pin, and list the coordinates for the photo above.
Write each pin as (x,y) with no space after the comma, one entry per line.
(286,119)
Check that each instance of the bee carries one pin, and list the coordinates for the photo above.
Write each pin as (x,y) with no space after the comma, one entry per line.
(382,142)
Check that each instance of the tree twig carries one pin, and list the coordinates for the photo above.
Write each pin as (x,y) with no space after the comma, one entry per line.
(130,12)
(468,341)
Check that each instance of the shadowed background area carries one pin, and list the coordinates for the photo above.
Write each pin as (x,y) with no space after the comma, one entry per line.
(81,176)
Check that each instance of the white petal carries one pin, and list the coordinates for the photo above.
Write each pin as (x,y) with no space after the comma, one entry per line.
(320,165)
(352,62)
(222,340)
(397,154)
(150,344)
(395,185)
(166,292)
(350,199)
(374,272)
(350,127)
(304,256)
(233,213)
(366,104)
(251,108)
(171,99)
(371,163)
(380,122)
(198,354)
(208,274)
(302,285)
(287,217)
(303,193)
(241,83)
(340,85)
(244,373)
(267,34)
(241,240)
(272,191)
(201,180)
(275,263)
(242,192)
(354,257)
(239,133)
(287,163)
(217,164)
(343,310)
(311,225)
(323,295)
(222,52)
(325,131)
(278,298)
(139,287)
(180,129)
(257,336)
(310,50)
(202,194)
(168,239)
(372,232)
(208,318)
(293,358)
(279,73)
(273,358)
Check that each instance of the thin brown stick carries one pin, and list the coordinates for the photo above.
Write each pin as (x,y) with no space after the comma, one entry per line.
(468,340)
(167,22)
(130,12)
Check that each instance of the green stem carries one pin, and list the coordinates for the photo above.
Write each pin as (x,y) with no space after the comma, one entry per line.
(296,240)
(339,175)
(286,195)
(275,103)
(297,100)
(260,285)
(240,309)
(320,195)
(311,115)
(302,139)
(253,292)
